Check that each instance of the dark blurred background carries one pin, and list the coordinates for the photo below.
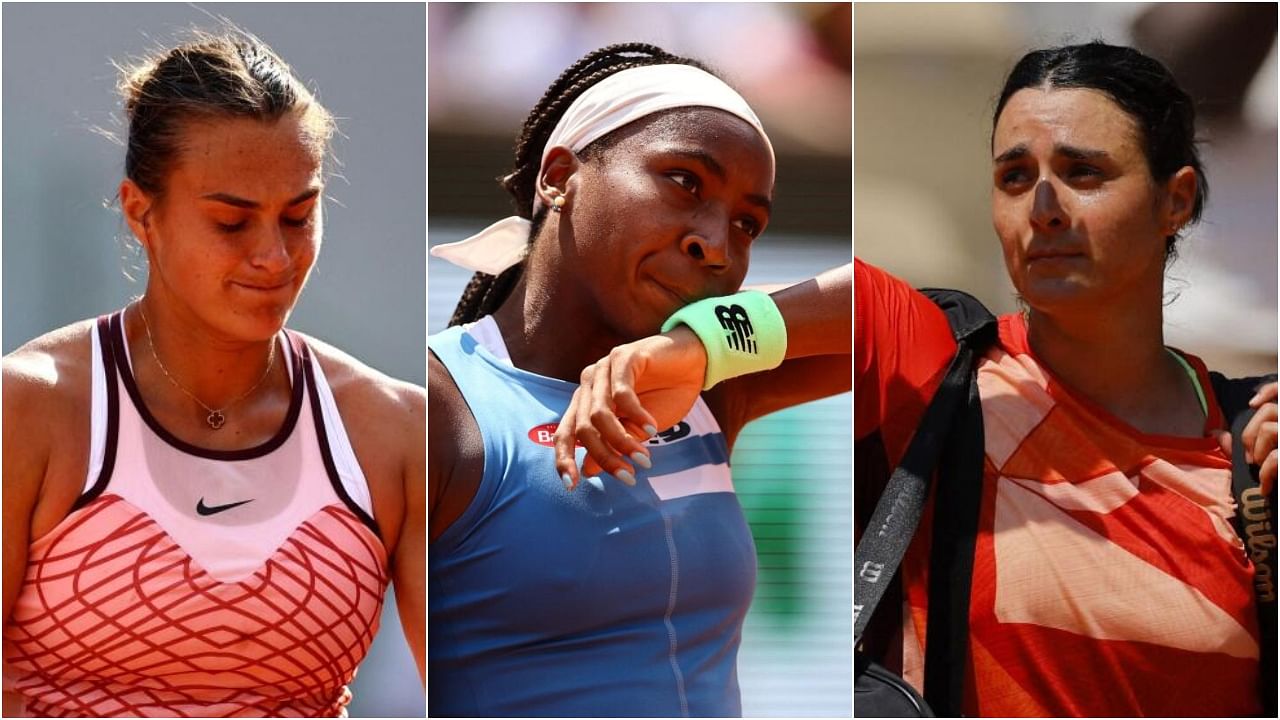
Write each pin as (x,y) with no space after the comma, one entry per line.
(927,76)
(488,63)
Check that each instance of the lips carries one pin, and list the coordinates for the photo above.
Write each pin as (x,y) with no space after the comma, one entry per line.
(264,286)
(1053,253)
(680,296)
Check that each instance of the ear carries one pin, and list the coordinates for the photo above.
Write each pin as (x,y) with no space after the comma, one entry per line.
(557,170)
(1181,198)
(136,205)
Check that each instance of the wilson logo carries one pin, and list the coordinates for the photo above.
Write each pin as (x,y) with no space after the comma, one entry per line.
(1260,537)
(738,332)
(871,571)
(899,503)
(545,435)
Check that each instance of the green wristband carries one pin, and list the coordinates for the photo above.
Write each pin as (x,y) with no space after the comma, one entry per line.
(743,333)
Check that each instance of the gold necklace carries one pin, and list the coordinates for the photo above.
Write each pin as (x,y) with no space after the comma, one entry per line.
(216,418)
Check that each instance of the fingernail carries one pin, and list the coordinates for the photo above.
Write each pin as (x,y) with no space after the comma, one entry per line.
(651,430)
(641,459)
(626,477)
(568,481)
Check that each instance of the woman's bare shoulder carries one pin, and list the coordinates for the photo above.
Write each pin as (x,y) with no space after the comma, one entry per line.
(454,432)
(457,449)
(449,415)
(54,366)
(440,385)
(47,398)
(366,389)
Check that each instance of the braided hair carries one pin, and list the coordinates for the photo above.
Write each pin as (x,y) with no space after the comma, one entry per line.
(485,293)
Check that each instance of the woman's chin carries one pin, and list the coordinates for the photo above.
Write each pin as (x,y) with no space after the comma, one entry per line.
(1055,293)
(261,324)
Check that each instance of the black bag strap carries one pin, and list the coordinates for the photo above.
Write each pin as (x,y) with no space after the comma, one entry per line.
(1254,522)
(955,527)
(949,436)
(884,542)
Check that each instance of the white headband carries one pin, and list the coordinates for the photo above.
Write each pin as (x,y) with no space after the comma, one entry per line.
(604,107)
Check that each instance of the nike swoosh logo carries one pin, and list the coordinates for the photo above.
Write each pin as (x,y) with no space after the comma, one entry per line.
(207,510)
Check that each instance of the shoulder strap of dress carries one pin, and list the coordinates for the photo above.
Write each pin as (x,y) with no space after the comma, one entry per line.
(345,475)
(104,422)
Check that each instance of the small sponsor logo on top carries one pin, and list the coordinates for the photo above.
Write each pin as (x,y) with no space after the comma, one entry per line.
(546,435)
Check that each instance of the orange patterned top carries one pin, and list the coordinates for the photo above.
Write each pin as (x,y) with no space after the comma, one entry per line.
(1108,580)
(201,583)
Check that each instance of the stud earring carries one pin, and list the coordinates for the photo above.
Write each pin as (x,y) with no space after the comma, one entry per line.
(557,203)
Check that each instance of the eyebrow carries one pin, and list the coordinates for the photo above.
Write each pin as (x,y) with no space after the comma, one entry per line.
(715,168)
(251,205)
(1017,152)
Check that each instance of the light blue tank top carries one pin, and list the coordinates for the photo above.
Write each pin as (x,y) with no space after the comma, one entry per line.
(605,601)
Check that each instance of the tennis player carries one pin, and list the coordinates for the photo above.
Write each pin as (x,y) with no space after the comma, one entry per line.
(640,182)
(203,509)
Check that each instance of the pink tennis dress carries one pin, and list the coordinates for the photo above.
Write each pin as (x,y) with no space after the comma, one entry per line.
(188,582)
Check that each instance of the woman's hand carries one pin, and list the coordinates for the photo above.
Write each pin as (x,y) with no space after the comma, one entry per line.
(1260,436)
(624,399)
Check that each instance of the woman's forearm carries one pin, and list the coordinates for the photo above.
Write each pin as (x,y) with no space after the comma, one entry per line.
(819,314)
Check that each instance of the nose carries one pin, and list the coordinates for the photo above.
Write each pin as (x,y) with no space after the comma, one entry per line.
(1047,213)
(708,247)
(271,252)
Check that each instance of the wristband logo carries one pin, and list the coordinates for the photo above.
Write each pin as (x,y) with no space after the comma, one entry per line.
(739,334)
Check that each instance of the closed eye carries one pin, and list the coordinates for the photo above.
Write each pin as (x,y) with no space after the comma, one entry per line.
(232,228)
(303,221)
(686,180)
